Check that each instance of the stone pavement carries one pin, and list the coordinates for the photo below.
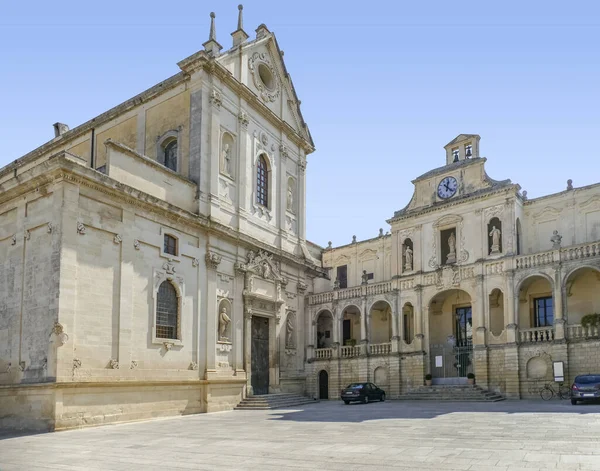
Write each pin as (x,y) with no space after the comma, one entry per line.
(523,435)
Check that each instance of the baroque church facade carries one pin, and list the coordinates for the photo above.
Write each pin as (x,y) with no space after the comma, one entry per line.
(154,262)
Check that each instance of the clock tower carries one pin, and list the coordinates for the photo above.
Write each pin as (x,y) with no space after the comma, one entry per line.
(462,147)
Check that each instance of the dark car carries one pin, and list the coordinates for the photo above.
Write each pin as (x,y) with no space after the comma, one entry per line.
(363,392)
(585,388)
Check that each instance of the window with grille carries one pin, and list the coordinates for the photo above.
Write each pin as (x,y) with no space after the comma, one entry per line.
(171,155)
(170,245)
(167,308)
(262,182)
(544,312)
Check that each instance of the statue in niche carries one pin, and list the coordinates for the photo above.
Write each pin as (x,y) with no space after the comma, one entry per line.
(226,156)
(290,196)
(452,247)
(495,235)
(289,335)
(408,258)
(224,321)
(266,270)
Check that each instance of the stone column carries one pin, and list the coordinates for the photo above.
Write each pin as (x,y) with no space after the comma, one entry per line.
(559,321)
(212,262)
(244,175)
(395,318)
(274,387)
(419,337)
(238,322)
(126,240)
(479,337)
(214,145)
(364,331)
(301,216)
(336,330)
(248,350)
(396,255)
(510,306)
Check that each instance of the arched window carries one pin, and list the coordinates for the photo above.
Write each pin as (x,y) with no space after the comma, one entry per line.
(262,181)
(171,155)
(170,245)
(167,311)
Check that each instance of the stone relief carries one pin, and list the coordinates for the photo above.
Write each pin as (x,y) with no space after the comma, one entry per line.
(195,262)
(27,235)
(212,260)
(76,363)
(133,365)
(301,287)
(13,240)
(448,277)
(193,366)
(290,326)
(268,91)
(494,211)
(290,195)
(243,119)
(114,364)
(80,228)
(118,239)
(50,228)
(169,267)
(61,335)
(216,99)
(261,263)
(224,321)
(136,244)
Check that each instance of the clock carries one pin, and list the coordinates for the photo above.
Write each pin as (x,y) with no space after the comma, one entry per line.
(447,188)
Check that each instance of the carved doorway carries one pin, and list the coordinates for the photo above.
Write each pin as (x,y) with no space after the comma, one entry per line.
(323,385)
(260,355)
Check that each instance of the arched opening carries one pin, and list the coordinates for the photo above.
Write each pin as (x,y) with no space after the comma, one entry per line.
(323,384)
(167,311)
(291,195)
(581,288)
(170,154)
(227,152)
(262,181)
(536,305)
(519,237)
(407,256)
(324,330)
(451,335)
(351,326)
(494,236)
(381,378)
(408,323)
(381,322)
(496,304)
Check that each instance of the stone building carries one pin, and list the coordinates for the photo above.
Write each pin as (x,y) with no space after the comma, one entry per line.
(474,278)
(153,261)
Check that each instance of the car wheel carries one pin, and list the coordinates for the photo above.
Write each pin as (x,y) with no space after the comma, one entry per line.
(382,398)
(573,402)
(346,402)
(366,400)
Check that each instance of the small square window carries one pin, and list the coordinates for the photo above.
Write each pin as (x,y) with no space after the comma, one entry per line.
(170,245)
(369,276)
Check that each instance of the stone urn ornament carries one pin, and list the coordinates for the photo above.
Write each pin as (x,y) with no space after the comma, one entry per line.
(471,378)
(428,379)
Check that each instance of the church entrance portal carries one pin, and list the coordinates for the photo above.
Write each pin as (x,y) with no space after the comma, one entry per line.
(260,355)
(323,385)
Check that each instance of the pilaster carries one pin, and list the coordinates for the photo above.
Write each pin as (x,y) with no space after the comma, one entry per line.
(126,289)
(212,260)
(559,321)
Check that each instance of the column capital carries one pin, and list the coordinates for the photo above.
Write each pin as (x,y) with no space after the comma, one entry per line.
(212,260)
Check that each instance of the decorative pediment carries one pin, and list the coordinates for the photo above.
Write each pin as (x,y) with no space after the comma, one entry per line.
(591,203)
(341,260)
(549,212)
(261,263)
(448,220)
(367,254)
(494,211)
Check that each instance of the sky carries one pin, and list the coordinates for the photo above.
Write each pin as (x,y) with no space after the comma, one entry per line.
(384,86)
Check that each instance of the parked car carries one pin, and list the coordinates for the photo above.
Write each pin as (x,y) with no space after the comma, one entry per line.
(363,392)
(585,388)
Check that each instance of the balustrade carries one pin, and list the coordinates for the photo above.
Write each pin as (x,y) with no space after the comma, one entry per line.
(581,251)
(321,298)
(536,335)
(350,293)
(349,351)
(577,331)
(379,288)
(380,348)
(535,260)
(323,353)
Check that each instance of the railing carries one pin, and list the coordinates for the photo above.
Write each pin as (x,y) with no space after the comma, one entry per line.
(379,288)
(537,335)
(350,293)
(577,331)
(349,351)
(580,252)
(535,260)
(323,353)
(380,348)
(320,298)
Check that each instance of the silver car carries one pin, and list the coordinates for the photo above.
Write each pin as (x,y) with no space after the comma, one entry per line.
(585,388)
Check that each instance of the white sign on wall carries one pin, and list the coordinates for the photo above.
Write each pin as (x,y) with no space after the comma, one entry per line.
(438,361)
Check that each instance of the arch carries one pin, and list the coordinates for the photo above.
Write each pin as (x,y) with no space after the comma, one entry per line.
(350,325)
(380,316)
(168,150)
(227,163)
(323,381)
(451,318)
(263,177)
(381,378)
(324,330)
(494,231)
(536,301)
(581,286)
(167,311)
(408,323)
(496,310)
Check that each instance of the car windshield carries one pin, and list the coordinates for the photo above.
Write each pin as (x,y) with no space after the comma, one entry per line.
(356,386)
(587,379)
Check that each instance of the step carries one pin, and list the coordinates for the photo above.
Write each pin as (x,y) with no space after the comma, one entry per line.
(451,393)
(273,401)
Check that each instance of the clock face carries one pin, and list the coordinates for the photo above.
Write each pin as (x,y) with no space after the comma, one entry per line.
(447,187)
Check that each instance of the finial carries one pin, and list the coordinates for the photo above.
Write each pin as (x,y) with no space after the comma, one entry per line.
(329,246)
(212,46)
(213,33)
(240,18)
(524,194)
(354,239)
(380,232)
(569,184)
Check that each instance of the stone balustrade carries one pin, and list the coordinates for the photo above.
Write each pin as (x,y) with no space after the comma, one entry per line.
(323,353)
(535,260)
(536,335)
(581,251)
(321,298)
(379,288)
(349,351)
(349,293)
(380,348)
(579,332)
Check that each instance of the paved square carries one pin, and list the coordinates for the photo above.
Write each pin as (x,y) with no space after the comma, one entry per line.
(332,436)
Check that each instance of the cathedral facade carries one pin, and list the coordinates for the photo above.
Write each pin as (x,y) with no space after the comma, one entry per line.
(154,262)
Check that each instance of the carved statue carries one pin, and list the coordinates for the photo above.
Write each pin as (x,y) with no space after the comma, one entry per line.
(224,321)
(451,258)
(495,235)
(266,269)
(556,240)
(408,258)
(289,335)
(290,197)
(365,278)
(226,159)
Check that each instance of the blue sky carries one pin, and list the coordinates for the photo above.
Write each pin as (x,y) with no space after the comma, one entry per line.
(384,86)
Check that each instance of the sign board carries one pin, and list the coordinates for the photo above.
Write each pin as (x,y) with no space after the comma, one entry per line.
(438,361)
(559,371)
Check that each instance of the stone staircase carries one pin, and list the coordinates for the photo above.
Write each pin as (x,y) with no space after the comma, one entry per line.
(451,393)
(273,401)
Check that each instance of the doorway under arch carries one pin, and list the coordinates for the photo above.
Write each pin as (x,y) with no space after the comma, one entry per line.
(323,384)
